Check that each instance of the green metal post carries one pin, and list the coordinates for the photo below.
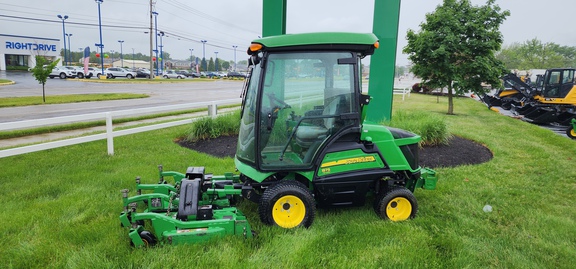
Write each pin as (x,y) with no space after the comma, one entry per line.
(383,62)
(273,17)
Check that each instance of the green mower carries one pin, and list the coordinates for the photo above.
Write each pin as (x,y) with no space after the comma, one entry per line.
(304,142)
(571,131)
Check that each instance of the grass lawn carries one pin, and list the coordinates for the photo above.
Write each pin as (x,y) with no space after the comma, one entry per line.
(61,99)
(62,206)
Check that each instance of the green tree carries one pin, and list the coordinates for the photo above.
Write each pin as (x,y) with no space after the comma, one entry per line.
(455,48)
(41,72)
(533,54)
(211,64)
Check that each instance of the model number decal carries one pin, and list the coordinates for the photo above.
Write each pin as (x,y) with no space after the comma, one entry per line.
(366,159)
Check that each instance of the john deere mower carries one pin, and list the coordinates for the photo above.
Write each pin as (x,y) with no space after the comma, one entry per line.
(304,142)
(571,131)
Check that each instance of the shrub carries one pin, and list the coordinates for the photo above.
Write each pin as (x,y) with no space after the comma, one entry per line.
(431,127)
(207,127)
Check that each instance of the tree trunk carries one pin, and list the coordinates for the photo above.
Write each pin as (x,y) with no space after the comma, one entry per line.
(43,94)
(450,101)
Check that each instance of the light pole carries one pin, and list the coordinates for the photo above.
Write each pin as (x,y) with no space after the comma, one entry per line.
(204,67)
(70,48)
(121,53)
(216,62)
(133,58)
(156,32)
(63,18)
(101,45)
(161,34)
(191,50)
(234,57)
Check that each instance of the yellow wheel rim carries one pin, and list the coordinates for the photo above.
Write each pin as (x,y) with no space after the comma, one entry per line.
(399,209)
(289,211)
(572,132)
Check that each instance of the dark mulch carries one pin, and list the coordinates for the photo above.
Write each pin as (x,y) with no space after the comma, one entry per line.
(459,151)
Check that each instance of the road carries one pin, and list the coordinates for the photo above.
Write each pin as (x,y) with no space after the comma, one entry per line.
(160,95)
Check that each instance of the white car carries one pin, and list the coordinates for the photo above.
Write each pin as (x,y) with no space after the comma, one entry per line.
(173,74)
(92,72)
(114,72)
(62,72)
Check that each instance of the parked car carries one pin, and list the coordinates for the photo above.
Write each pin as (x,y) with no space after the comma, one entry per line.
(142,73)
(173,74)
(213,75)
(196,75)
(114,72)
(62,72)
(234,74)
(92,72)
(185,73)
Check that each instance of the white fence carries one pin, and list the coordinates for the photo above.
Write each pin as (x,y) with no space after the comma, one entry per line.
(110,134)
(403,92)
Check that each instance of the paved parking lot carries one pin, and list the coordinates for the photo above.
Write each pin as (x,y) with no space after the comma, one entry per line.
(160,95)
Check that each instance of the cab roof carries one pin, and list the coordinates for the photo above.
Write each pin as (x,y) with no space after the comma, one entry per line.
(364,43)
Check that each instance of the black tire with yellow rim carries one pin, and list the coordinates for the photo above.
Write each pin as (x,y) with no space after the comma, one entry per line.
(397,204)
(570,132)
(288,204)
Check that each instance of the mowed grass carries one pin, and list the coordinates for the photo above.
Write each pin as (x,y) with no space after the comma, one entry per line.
(61,99)
(61,207)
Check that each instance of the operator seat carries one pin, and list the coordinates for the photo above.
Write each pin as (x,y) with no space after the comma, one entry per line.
(306,135)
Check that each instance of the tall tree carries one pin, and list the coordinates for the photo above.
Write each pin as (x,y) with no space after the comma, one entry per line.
(533,54)
(41,72)
(455,48)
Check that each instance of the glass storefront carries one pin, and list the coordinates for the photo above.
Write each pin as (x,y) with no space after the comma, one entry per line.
(16,60)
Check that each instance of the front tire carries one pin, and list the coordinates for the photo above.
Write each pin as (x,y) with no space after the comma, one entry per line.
(80,75)
(571,133)
(166,77)
(396,205)
(287,204)
(129,76)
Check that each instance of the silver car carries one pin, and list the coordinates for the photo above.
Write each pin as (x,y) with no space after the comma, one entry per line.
(173,74)
(114,72)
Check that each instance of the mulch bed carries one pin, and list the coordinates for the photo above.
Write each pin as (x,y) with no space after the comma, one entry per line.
(459,151)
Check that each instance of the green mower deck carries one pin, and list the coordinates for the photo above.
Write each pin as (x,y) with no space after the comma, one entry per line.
(196,207)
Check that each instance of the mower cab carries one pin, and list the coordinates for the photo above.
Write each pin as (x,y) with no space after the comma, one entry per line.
(303,128)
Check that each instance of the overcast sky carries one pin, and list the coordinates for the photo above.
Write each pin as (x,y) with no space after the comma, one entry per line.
(228,23)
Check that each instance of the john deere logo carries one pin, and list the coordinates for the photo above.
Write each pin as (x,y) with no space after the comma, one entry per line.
(366,159)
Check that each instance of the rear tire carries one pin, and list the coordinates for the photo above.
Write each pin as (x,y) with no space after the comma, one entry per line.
(62,76)
(398,204)
(166,77)
(129,76)
(80,75)
(287,204)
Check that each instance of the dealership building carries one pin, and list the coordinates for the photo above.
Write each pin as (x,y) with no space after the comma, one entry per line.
(18,50)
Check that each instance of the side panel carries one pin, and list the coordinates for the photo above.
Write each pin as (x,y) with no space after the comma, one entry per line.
(347,173)
(349,161)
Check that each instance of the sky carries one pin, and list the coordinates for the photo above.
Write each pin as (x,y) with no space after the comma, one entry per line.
(227,23)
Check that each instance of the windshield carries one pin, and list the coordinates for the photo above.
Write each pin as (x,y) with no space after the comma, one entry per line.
(301,100)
